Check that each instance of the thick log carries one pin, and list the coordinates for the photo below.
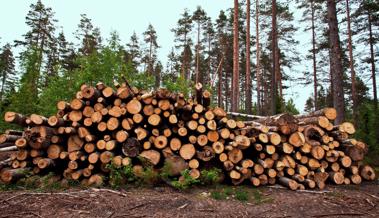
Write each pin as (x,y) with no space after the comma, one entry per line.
(134,106)
(187,151)
(367,172)
(235,155)
(10,148)
(152,156)
(131,148)
(329,113)
(12,117)
(6,138)
(336,177)
(206,154)
(160,142)
(289,183)
(296,139)
(12,175)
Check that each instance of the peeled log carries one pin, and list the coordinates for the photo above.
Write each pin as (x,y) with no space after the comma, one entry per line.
(289,183)
(329,113)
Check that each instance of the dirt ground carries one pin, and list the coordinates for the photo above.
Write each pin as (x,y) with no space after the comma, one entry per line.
(342,201)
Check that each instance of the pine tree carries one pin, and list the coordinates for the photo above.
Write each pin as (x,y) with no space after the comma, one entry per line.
(150,37)
(208,40)
(88,35)
(182,32)
(351,62)
(248,88)
(199,17)
(40,20)
(134,51)
(366,19)
(235,87)
(221,49)
(275,57)
(7,71)
(336,64)
(258,56)
(311,10)
(67,54)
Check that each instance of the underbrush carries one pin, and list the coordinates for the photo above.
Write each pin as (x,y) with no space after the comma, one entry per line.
(243,194)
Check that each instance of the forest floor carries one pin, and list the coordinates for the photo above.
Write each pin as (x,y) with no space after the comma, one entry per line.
(217,201)
(221,201)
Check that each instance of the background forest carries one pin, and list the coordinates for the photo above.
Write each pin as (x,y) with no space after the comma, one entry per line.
(258,52)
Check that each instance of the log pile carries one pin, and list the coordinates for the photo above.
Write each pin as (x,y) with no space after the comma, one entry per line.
(124,126)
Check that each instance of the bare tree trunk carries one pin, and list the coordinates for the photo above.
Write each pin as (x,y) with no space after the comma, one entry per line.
(220,80)
(248,87)
(314,56)
(274,66)
(336,65)
(258,73)
(197,53)
(149,69)
(208,78)
(235,80)
(373,75)
(351,63)
(372,54)
(184,57)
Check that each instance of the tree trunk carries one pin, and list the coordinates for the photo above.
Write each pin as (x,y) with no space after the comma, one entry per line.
(314,57)
(351,63)
(336,64)
(258,73)
(220,80)
(274,63)
(235,81)
(197,79)
(248,87)
(372,55)
(373,73)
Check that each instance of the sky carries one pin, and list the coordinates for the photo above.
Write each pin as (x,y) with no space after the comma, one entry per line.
(125,17)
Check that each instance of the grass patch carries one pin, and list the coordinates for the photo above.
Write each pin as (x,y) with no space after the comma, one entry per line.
(185,181)
(242,195)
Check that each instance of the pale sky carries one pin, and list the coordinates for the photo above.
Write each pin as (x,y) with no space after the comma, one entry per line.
(124,16)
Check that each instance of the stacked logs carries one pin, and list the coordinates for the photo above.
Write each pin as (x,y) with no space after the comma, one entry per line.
(124,126)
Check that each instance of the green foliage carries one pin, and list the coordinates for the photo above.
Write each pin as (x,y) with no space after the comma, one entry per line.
(150,176)
(178,85)
(25,100)
(187,181)
(217,195)
(290,107)
(210,177)
(242,195)
(119,176)
(165,171)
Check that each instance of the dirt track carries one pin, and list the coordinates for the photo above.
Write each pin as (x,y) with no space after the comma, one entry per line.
(345,201)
